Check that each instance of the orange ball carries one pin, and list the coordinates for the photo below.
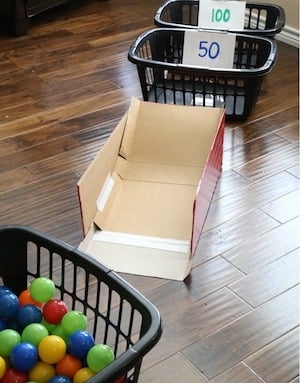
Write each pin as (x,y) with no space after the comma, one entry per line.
(26,299)
(68,366)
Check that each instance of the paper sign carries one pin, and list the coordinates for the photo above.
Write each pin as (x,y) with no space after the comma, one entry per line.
(208,49)
(222,14)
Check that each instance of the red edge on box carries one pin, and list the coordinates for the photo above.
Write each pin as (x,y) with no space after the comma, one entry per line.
(207,185)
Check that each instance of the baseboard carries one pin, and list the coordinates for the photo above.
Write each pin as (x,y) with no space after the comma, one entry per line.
(289,36)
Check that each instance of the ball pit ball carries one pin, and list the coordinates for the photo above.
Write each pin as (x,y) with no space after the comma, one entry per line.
(99,357)
(41,341)
(79,343)
(2,366)
(25,298)
(74,321)
(14,376)
(5,290)
(59,331)
(52,349)
(83,375)
(28,314)
(54,310)
(50,327)
(34,333)
(2,324)
(42,289)
(60,379)
(9,304)
(9,338)
(41,372)
(68,366)
(24,356)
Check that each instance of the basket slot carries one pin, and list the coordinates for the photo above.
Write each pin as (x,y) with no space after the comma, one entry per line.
(164,79)
(260,19)
(117,314)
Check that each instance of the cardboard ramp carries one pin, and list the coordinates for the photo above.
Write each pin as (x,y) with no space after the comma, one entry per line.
(145,196)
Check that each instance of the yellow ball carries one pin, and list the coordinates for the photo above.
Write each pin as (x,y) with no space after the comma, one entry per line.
(83,375)
(52,349)
(41,372)
(2,366)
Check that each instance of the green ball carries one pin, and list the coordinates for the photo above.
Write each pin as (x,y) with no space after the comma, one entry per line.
(49,326)
(34,333)
(42,289)
(73,321)
(8,340)
(59,331)
(99,357)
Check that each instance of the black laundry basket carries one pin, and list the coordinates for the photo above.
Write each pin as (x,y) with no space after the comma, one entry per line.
(117,314)
(158,53)
(261,19)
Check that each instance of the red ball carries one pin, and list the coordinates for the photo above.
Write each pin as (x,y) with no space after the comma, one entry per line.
(14,376)
(54,310)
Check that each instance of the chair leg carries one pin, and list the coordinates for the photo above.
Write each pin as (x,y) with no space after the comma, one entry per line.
(20,22)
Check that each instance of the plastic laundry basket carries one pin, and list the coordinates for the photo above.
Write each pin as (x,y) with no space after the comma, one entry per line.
(157,54)
(117,314)
(261,19)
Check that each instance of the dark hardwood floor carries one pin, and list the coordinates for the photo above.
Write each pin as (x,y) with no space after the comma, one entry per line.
(63,88)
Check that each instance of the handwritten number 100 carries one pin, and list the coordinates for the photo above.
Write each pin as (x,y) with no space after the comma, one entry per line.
(219,15)
(211,50)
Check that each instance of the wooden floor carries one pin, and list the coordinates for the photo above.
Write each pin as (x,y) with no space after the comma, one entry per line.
(63,88)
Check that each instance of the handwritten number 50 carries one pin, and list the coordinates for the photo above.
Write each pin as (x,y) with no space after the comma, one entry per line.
(211,50)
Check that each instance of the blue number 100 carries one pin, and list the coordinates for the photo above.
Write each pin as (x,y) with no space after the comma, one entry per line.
(211,49)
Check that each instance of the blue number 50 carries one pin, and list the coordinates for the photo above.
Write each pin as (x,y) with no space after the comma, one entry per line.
(210,49)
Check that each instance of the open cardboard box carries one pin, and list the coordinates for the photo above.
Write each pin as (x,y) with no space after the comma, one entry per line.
(145,196)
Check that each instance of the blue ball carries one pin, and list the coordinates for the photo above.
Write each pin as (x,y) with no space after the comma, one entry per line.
(24,356)
(59,379)
(79,343)
(28,314)
(3,324)
(5,290)
(9,304)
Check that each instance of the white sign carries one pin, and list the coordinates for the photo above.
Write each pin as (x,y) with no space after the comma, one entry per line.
(222,14)
(208,49)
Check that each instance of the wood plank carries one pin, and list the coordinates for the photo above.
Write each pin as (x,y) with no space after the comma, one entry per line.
(290,132)
(15,178)
(269,281)
(279,361)
(231,234)
(237,374)
(228,182)
(294,170)
(266,247)
(173,369)
(270,164)
(195,322)
(241,154)
(235,342)
(284,208)
(248,198)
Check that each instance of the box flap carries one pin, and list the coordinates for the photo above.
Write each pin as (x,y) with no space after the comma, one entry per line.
(162,262)
(92,181)
(163,136)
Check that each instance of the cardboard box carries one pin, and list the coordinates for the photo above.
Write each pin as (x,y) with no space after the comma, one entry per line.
(145,196)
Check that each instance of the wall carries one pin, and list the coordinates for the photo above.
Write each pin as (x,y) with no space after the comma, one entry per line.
(290,34)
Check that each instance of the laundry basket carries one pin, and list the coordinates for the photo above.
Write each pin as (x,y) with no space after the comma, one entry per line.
(261,19)
(157,54)
(117,314)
